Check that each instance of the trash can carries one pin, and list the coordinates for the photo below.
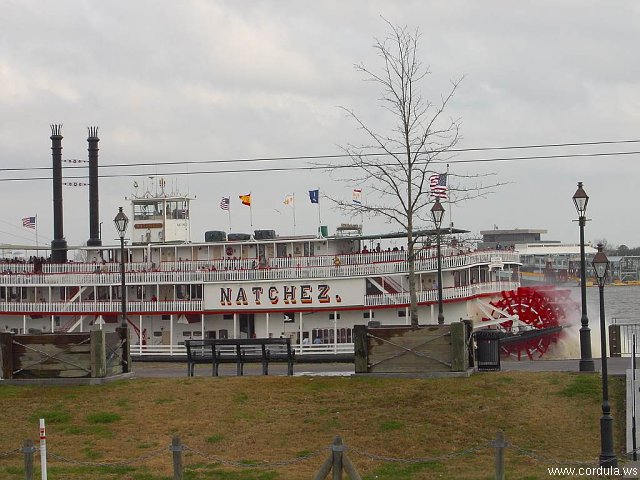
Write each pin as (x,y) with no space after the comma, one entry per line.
(488,350)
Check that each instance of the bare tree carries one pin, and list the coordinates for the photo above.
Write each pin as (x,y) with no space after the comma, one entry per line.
(396,167)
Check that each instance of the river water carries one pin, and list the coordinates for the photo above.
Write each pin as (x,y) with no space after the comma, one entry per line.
(621,302)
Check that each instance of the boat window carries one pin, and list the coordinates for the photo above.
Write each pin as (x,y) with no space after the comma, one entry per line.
(147,211)
(183,292)
(196,292)
(178,209)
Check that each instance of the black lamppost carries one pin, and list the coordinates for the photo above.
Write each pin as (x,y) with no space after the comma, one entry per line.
(580,199)
(437,212)
(121,222)
(607,455)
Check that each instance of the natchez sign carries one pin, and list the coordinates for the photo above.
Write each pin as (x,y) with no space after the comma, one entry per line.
(283,295)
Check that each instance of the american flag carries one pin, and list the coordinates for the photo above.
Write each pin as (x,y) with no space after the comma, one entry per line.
(438,184)
(224,203)
(29,222)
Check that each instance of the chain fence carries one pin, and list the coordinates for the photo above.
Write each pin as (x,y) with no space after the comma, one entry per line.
(337,457)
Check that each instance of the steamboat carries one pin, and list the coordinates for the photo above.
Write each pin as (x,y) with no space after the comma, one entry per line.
(311,288)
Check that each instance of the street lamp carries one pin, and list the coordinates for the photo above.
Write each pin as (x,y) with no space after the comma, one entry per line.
(437,212)
(121,222)
(580,199)
(607,455)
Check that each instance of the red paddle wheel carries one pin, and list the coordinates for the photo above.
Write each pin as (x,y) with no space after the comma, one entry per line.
(534,317)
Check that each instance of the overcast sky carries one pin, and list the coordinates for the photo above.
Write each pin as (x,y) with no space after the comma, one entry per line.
(217,80)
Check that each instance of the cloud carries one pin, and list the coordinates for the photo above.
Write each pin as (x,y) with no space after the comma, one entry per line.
(199,80)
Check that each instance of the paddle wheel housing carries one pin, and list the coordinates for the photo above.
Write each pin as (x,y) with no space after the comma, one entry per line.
(533,319)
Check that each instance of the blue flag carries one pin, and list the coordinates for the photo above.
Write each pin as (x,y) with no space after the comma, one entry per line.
(314,196)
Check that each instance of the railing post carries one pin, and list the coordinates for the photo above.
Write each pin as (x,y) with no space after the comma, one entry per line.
(6,355)
(359,334)
(459,352)
(28,449)
(98,354)
(499,444)
(615,341)
(336,451)
(176,449)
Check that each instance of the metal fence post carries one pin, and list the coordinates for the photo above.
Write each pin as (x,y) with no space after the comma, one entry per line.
(499,444)
(28,449)
(176,449)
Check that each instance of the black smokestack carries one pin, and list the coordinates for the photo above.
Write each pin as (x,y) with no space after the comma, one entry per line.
(94,211)
(58,244)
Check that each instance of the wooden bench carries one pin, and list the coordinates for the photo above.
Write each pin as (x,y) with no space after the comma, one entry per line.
(239,351)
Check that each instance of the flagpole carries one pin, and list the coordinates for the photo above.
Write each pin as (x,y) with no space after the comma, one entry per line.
(449,202)
(37,243)
(294,213)
(251,213)
(361,213)
(319,218)
(229,214)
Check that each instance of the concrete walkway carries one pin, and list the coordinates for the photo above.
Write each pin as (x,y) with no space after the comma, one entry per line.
(616,366)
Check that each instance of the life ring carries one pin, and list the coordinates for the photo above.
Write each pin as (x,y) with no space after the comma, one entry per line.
(229,251)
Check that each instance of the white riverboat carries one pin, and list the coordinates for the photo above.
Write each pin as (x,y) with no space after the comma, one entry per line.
(312,288)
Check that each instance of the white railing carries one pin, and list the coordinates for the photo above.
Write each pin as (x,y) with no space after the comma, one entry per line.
(93,267)
(431,296)
(113,307)
(174,350)
(292,271)
(323,349)
(223,264)
(148,350)
(9,268)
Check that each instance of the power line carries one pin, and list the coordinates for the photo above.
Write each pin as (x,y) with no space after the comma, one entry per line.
(316,167)
(336,156)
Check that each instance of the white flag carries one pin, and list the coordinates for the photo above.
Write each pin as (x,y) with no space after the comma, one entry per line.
(357,196)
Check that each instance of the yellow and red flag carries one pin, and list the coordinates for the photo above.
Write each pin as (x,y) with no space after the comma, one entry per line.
(246,199)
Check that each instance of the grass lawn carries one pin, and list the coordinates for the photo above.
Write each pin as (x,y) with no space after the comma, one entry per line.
(553,419)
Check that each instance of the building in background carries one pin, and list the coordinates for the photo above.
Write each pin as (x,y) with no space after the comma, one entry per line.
(543,261)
